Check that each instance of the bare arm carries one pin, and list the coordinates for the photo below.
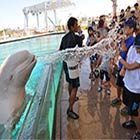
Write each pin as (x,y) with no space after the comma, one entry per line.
(124,48)
(122,72)
(128,66)
(98,61)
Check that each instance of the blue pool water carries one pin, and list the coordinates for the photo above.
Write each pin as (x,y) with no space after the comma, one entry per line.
(40,47)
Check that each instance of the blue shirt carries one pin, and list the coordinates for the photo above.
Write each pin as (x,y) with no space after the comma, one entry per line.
(128,42)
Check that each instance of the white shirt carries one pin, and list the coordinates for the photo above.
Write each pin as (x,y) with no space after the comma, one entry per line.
(132,77)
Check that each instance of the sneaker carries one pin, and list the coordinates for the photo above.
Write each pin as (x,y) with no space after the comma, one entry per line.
(72,114)
(108,91)
(96,73)
(130,124)
(116,102)
(100,89)
(136,136)
(124,111)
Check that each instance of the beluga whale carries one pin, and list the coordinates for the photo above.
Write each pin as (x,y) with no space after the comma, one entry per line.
(14,74)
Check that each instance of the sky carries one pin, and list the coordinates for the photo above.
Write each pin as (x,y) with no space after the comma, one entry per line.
(11,15)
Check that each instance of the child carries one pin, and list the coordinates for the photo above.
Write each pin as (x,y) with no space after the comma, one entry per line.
(91,40)
(104,82)
(129,28)
(131,91)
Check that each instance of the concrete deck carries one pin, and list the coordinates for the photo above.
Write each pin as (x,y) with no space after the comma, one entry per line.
(98,119)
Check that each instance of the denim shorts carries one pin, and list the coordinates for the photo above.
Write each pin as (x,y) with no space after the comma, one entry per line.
(131,100)
(93,59)
(104,73)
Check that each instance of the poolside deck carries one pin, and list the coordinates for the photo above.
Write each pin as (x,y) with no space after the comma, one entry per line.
(98,119)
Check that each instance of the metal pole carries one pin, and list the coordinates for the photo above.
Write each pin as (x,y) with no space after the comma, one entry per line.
(114,8)
(37,18)
(26,23)
(45,18)
(55,17)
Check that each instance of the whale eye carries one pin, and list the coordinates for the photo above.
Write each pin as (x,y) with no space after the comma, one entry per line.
(11,77)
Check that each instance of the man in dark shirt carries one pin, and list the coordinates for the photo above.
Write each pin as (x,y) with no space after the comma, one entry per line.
(70,40)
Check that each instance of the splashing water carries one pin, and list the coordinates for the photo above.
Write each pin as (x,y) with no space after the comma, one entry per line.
(103,47)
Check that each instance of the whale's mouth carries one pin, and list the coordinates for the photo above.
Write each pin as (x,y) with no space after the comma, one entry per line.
(33,59)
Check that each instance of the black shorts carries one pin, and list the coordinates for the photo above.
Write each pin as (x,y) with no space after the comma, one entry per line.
(131,100)
(104,73)
(119,81)
(75,83)
(93,59)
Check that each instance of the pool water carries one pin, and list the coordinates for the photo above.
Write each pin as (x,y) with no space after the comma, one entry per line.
(40,47)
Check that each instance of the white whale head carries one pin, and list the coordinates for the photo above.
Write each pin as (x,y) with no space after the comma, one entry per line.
(14,74)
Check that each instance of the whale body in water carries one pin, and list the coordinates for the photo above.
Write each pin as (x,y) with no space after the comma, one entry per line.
(14,74)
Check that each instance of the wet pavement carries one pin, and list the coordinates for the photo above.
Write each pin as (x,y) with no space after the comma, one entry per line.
(97,118)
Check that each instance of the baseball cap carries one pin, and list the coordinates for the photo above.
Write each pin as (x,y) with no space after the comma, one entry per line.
(131,23)
(137,41)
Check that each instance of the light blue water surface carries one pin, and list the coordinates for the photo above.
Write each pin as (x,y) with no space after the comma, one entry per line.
(39,46)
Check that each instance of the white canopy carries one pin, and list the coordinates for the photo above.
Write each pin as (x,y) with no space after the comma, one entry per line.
(45,6)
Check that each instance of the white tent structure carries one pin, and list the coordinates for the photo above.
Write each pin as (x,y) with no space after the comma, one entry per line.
(51,5)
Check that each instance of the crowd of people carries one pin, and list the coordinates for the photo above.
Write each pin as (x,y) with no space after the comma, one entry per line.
(127,60)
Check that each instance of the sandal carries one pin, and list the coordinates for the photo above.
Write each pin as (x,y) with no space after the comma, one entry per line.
(124,111)
(72,114)
(130,124)
(108,91)
(100,89)
(116,102)
(136,136)
(96,73)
